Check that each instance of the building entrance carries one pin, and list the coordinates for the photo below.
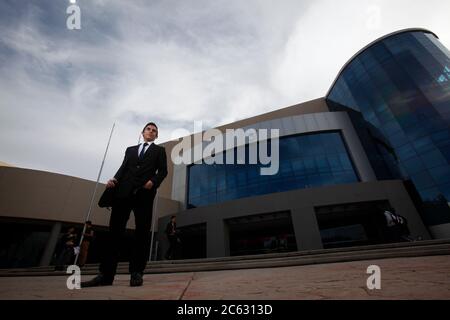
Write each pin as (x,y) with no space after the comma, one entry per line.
(353,224)
(264,233)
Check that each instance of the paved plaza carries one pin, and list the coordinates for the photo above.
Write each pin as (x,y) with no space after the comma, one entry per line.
(401,278)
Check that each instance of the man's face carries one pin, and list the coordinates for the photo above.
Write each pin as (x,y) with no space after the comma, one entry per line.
(150,133)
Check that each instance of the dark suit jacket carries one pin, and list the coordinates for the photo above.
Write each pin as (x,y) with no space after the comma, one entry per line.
(133,174)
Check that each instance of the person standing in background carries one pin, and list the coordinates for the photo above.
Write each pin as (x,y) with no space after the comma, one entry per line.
(171,232)
(84,248)
(66,251)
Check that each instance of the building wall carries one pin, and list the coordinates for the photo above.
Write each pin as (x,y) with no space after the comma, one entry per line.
(4,164)
(40,195)
(301,204)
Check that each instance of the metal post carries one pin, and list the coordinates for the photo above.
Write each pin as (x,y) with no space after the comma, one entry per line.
(153,224)
(93,194)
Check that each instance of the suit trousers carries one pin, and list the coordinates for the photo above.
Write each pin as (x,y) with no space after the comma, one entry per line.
(141,203)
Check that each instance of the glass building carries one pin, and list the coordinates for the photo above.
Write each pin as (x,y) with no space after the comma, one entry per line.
(309,160)
(401,85)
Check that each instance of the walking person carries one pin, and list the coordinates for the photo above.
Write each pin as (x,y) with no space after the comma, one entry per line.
(66,249)
(396,226)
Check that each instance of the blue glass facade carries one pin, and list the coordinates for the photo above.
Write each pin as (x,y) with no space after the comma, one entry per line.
(309,160)
(401,86)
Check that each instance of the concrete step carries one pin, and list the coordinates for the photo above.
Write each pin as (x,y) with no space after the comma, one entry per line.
(395,250)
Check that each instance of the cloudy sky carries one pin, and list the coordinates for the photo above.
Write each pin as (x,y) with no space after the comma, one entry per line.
(172,62)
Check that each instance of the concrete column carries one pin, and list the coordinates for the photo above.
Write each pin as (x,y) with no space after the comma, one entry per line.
(217,238)
(51,245)
(357,153)
(306,229)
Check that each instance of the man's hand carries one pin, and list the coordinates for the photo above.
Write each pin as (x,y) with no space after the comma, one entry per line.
(148,185)
(111,183)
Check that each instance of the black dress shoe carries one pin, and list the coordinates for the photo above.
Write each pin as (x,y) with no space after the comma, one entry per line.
(98,281)
(136,279)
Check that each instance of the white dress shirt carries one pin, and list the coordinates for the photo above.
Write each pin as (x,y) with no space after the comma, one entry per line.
(146,148)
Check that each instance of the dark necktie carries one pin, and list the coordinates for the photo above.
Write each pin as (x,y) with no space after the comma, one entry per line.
(141,155)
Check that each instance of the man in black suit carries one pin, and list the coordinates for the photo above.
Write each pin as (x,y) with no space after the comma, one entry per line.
(142,171)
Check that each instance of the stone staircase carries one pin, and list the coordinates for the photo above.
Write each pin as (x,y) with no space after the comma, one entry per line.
(298,258)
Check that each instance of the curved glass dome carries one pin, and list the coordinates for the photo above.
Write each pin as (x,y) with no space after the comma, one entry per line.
(401,85)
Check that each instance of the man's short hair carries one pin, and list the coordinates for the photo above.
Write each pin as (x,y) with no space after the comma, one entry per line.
(150,124)
(172,217)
